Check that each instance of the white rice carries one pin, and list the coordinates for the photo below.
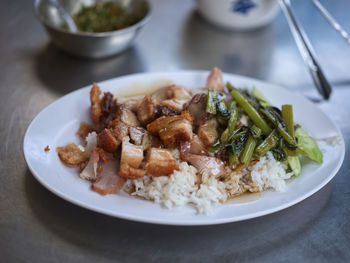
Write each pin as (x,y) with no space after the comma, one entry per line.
(183,186)
(268,174)
(179,189)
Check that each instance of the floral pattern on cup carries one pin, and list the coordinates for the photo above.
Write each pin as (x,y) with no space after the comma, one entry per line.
(243,6)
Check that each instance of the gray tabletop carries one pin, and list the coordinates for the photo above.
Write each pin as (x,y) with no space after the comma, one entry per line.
(37,226)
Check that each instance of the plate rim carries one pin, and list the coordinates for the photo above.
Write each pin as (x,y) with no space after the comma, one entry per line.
(191,222)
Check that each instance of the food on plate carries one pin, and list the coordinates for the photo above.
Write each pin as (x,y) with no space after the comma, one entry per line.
(104,17)
(179,146)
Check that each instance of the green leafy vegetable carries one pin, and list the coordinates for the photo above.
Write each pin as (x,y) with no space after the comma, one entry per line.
(287,115)
(274,115)
(268,129)
(221,107)
(256,131)
(233,158)
(308,145)
(261,97)
(251,111)
(294,164)
(248,151)
(279,154)
(239,138)
(228,132)
(267,144)
(211,101)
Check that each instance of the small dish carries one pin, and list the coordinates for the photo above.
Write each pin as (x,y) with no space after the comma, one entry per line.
(240,15)
(86,44)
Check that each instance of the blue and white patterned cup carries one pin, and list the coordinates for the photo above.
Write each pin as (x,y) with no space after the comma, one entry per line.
(239,14)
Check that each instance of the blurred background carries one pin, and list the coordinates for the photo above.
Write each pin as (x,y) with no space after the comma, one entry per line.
(178,41)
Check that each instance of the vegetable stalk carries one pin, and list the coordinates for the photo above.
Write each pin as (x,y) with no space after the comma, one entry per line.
(251,111)
(233,158)
(267,144)
(287,115)
(227,134)
(211,105)
(248,151)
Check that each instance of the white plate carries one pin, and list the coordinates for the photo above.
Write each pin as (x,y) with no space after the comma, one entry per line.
(56,126)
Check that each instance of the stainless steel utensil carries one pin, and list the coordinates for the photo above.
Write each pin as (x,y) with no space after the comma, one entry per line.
(86,44)
(64,15)
(331,20)
(306,51)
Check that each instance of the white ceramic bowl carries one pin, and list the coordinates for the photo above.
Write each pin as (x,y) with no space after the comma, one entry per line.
(239,14)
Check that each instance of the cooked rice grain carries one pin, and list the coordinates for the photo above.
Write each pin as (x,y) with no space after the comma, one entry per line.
(183,186)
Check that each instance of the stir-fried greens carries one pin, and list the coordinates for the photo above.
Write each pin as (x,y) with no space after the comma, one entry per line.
(268,129)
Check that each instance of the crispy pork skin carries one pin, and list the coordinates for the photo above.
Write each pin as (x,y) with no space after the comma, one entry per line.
(107,141)
(95,101)
(84,130)
(71,154)
(173,129)
(160,162)
(131,158)
(146,111)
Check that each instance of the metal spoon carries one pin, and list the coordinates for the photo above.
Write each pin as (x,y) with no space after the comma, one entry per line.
(306,51)
(64,15)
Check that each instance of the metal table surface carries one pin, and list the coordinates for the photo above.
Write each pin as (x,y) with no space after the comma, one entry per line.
(37,226)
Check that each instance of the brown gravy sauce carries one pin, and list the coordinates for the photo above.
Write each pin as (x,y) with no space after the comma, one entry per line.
(141,89)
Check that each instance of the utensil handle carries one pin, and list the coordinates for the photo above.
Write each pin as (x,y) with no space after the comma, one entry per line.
(64,15)
(331,20)
(306,51)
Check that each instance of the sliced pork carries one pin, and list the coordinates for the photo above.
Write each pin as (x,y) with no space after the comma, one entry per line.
(160,162)
(146,111)
(108,181)
(180,93)
(131,103)
(195,146)
(131,158)
(173,129)
(208,132)
(175,105)
(136,135)
(95,101)
(90,171)
(205,164)
(127,116)
(107,141)
(197,107)
(108,108)
(215,80)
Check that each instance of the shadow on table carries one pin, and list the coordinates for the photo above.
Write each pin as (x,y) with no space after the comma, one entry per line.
(110,238)
(64,73)
(205,46)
